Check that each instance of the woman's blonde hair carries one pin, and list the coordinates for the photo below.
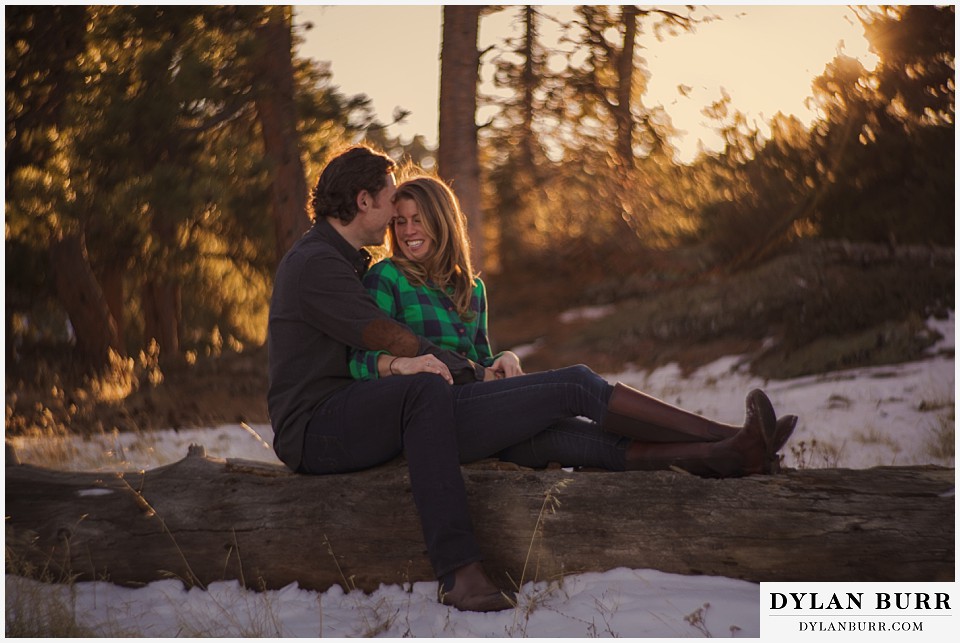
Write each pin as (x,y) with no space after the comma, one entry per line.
(448,265)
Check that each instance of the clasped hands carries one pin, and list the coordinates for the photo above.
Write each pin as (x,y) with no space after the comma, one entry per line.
(506,365)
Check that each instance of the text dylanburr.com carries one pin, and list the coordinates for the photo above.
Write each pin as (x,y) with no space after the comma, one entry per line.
(797,611)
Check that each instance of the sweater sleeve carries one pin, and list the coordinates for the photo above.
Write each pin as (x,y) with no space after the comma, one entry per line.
(381,285)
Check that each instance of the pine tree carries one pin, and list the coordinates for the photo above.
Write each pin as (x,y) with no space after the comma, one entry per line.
(458,160)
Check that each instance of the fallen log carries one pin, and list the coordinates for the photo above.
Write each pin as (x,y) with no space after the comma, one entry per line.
(204,519)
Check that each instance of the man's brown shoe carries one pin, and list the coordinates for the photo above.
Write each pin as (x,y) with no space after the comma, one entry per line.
(471,591)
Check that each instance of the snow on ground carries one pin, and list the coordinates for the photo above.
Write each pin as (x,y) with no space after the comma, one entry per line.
(887,415)
(859,418)
(617,603)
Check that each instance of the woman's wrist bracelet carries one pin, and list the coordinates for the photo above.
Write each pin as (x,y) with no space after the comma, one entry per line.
(392,372)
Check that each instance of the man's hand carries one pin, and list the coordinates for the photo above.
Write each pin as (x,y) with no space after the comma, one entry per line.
(421,364)
(507,365)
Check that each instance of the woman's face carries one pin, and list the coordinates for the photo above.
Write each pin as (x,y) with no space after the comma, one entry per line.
(412,238)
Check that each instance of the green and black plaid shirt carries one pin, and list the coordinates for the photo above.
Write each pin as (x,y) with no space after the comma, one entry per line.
(428,312)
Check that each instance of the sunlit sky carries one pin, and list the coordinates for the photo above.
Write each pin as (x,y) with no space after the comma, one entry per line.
(764,56)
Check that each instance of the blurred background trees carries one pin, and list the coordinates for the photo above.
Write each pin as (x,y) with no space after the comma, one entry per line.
(155,173)
(158,158)
(575,152)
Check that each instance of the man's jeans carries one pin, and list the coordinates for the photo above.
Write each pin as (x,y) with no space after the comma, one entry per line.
(531,419)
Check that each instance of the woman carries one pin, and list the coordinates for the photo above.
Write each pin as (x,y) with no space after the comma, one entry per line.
(570,415)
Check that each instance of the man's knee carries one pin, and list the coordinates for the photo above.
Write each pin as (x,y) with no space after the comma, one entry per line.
(428,416)
(428,386)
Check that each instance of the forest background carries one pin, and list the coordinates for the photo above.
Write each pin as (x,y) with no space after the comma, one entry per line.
(158,161)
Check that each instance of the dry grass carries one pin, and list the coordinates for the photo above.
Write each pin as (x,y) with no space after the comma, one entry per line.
(376,619)
(33,610)
(871,435)
(941,432)
(816,454)
(527,604)
(42,603)
(941,441)
(256,615)
(52,448)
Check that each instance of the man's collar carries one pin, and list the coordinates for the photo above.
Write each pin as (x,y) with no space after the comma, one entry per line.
(359,259)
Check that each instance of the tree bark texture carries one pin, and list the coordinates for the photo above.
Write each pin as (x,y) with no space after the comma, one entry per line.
(203,519)
(626,69)
(160,294)
(162,308)
(81,296)
(111,282)
(458,161)
(278,121)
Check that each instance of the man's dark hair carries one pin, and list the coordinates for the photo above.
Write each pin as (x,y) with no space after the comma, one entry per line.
(359,168)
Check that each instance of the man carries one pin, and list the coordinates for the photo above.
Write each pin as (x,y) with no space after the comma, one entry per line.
(326,422)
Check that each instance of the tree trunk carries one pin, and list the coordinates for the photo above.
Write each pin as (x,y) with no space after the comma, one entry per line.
(623,113)
(203,519)
(81,296)
(530,81)
(520,185)
(276,110)
(527,182)
(160,294)
(458,160)
(161,303)
(111,280)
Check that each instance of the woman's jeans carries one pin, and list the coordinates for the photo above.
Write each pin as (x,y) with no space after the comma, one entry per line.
(537,419)
(531,419)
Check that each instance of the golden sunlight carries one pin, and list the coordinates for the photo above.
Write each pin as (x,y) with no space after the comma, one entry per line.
(765,57)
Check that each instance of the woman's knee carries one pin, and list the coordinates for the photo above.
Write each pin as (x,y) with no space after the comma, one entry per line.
(582,373)
(584,377)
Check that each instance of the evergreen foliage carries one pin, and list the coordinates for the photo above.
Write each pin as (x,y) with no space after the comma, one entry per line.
(134,128)
(137,175)
(878,164)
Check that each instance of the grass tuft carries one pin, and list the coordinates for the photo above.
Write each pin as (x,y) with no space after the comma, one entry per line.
(816,454)
(42,603)
(941,441)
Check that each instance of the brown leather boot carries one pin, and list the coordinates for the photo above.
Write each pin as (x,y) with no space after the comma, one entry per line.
(781,433)
(470,590)
(636,415)
(747,452)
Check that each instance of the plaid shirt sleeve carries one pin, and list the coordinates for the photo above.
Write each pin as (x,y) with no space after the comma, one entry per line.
(482,343)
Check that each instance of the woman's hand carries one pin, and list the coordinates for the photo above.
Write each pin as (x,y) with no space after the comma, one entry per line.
(421,364)
(507,365)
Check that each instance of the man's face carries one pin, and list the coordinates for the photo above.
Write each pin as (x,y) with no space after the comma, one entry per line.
(380,213)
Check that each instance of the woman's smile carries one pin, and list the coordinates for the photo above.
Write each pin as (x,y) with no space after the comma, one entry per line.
(412,237)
